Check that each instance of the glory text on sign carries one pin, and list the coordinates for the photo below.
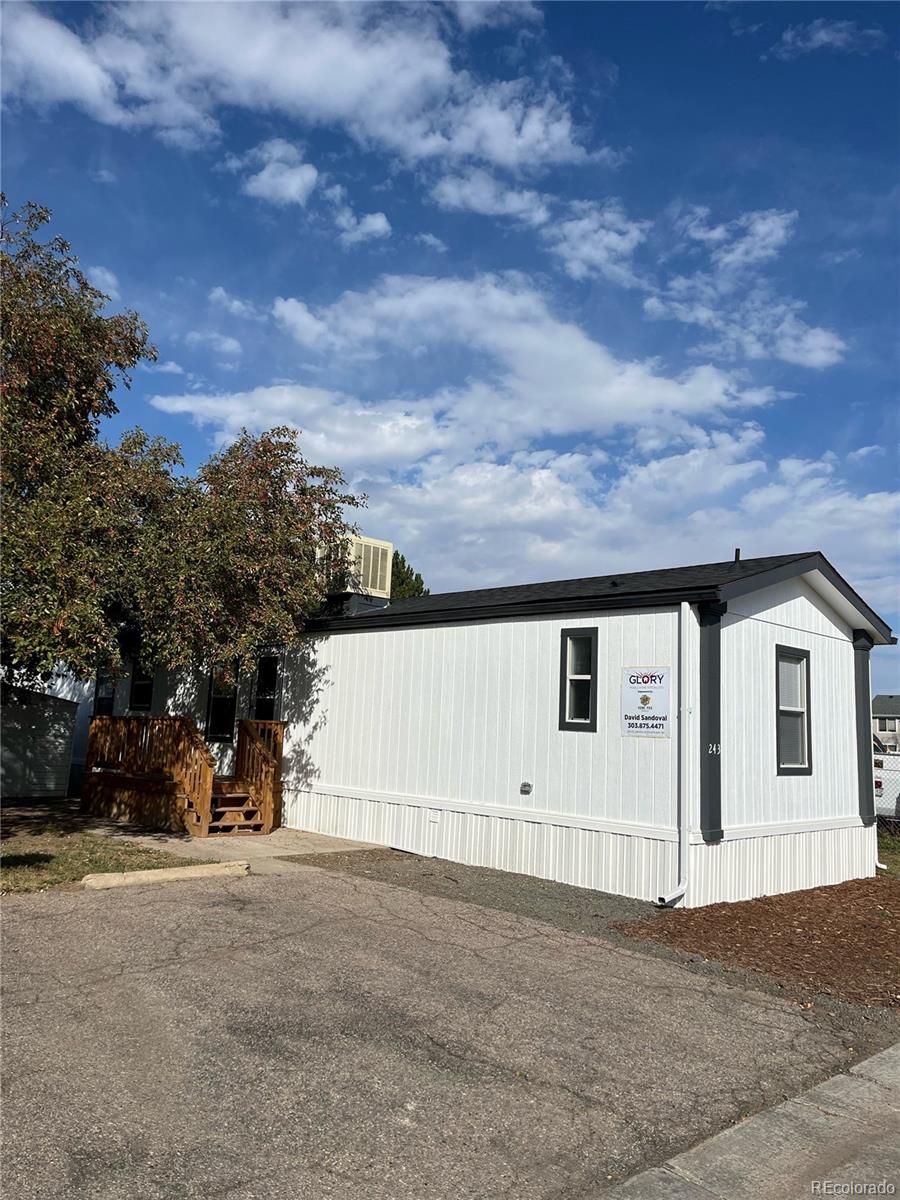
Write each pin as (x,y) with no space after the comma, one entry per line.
(645,702)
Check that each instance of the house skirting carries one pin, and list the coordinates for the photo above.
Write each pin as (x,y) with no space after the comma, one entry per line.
(621,863)
(642,865)
(768,865)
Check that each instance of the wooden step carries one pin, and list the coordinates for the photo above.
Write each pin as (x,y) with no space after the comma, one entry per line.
(226,830)
(227,785)
(236,816)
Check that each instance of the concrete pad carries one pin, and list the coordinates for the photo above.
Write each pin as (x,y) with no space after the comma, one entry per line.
(661,1183)
(854,1097)
(844,1131)
(883,1067)
(267,853)
(115,879)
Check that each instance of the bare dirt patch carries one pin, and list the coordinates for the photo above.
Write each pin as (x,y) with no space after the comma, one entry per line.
(573,909)
(841,941)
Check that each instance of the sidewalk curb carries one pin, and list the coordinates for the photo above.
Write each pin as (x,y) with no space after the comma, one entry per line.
(845,1130)
(213,870)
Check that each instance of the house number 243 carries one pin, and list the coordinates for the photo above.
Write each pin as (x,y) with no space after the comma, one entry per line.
(714,748)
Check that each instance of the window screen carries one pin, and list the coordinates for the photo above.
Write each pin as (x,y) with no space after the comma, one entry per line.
(792,693)
(578,680)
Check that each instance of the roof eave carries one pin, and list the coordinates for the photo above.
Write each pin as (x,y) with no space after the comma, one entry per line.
(879,630)
(527,608)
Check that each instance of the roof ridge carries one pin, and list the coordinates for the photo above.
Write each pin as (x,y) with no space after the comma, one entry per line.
(575,579)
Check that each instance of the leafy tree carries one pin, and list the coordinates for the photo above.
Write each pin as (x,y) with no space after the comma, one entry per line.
(62,358)
(110,551)
(405,582)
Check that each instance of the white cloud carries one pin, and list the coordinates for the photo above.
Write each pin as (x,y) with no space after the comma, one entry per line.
(432,241)
(105,280)
(104,175)
(732,300)
(842,37)
(487,518)
(356,229)
(476,190)
(464,480)
(218,342)
(864,452)
(234,305)
(283,177)
(383,73)
(46,63)
(597,239)
(545,376)
(301,322)
(480,14)
(169,367)
(754,237)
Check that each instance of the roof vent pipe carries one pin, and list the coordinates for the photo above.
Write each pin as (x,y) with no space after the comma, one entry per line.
(737,554)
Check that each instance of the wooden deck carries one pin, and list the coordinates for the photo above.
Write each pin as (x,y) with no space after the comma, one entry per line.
(159,772)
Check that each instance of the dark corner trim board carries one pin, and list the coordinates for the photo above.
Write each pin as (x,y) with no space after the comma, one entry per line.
(862,644)
(711,614)
(793,652)
(589,726)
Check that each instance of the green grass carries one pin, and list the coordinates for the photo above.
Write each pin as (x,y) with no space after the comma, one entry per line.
(52,857)
(889,852)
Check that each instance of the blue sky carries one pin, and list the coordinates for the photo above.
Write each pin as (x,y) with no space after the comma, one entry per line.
(565,289)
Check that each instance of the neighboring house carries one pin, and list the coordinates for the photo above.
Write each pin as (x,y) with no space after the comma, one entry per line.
(80,692)
(687,735)
(886,722)
(36,745)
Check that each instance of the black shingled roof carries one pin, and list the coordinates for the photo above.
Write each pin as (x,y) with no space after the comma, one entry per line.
(667,586)
(886,706)
(670,579)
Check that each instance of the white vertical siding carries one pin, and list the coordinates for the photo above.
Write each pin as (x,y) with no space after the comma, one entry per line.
(593,858)
(785,862)
(467,713)
(753,793)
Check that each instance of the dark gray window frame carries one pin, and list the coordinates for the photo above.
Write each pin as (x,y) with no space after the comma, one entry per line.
(145,677)
(589,726)
(796,653)
(862,645)
(274,696)
(226,738)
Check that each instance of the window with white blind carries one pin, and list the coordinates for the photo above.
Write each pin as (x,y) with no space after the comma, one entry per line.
(792,701)
(578,680)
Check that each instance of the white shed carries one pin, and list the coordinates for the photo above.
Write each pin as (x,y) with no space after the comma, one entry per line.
(36,736)
(689,735)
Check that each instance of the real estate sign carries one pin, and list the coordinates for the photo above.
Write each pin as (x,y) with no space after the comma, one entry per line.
(645,702)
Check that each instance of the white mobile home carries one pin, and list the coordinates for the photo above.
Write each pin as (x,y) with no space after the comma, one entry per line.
(689,735)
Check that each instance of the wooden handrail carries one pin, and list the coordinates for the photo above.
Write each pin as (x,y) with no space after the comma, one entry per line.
(168,747)
(159,751)
(259,767)
(272,735)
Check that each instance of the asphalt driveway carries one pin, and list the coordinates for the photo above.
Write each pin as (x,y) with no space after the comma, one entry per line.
(318,1035)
